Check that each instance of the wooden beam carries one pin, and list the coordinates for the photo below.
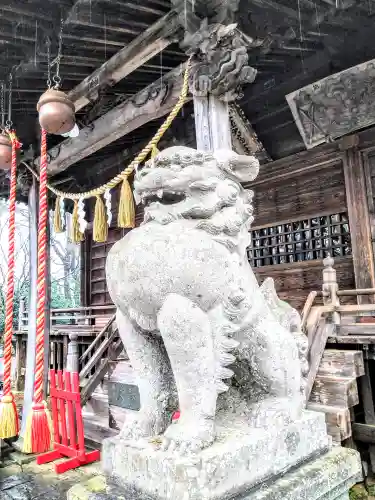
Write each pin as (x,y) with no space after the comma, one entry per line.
(359,221)
(157,100)
(368,403)
(365,433)
(156,38)
(246,134)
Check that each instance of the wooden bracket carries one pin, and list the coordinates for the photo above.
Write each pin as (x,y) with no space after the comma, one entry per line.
(348,142)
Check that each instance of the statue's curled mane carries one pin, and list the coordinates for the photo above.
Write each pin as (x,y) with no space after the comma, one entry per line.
(218,203)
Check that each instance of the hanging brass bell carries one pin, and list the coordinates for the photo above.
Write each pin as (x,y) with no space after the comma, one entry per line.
(56,112)
(5,152)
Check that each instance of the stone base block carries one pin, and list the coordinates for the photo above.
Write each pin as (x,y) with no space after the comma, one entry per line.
(240,458)
(328,477)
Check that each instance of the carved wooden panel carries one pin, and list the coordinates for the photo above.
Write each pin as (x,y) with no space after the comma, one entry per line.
(335,106)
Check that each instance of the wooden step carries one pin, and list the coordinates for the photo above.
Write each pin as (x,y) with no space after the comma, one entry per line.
(337,420)
(341,363)
(335,391)
(95,433)
(356,329)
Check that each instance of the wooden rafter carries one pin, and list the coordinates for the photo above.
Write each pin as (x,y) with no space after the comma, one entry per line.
(120,121)
(156,38)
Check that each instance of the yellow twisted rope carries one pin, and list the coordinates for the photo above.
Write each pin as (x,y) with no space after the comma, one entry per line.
(141,156)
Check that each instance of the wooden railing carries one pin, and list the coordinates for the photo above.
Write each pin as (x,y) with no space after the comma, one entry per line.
(82,318)
(334,321)
(72,331)
(98,359)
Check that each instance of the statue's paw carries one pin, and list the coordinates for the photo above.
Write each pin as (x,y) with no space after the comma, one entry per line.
(139,426)
(188,437)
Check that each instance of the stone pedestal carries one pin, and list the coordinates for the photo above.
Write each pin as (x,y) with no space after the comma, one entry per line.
(240,458)
(327,477)
(292,463)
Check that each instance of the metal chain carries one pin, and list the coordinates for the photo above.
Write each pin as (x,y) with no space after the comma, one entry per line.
(2,104)
(57,78)
(9,122)
(49,82)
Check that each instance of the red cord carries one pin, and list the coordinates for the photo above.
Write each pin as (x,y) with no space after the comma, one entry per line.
(8,332)
(41,279)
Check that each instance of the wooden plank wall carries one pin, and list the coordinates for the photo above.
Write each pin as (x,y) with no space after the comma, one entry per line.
(293,282)
(296,194)
(299,195)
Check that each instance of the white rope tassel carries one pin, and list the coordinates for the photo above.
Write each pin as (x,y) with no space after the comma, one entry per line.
(108,206)
(62,213)
(81,216)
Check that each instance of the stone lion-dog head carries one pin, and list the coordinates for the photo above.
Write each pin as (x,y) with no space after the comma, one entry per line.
(182,183)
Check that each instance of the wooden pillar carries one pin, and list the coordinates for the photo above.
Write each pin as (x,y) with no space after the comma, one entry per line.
(359,221)
(20,363)
(330,287)
(212,125)
(213,82)
(31,336)
(72,364)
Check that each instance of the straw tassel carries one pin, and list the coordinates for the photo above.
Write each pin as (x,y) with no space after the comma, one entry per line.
(126,213)
(100,230)
(57,221)
(76,236)
(9,426)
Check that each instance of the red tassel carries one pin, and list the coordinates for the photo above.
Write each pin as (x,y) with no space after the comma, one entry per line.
(38,431)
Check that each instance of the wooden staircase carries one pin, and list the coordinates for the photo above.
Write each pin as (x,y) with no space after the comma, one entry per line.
(339,378)
(99,359)
(335,390)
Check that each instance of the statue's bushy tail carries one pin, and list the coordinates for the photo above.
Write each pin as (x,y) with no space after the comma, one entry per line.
(290,319)
(233,316)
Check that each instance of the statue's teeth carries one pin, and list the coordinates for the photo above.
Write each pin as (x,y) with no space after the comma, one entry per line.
(226,359)
(221,387)
(159,193)
(225,373)
(228,344)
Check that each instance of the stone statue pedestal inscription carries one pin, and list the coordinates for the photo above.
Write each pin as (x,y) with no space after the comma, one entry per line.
(238,462)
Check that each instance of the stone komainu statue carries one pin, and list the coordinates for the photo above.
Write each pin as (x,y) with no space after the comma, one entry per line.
(192,317)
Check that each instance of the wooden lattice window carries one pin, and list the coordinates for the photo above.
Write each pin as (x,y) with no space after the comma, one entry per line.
(307,239)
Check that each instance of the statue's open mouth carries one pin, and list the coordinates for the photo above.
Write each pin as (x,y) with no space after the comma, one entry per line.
(164,197)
